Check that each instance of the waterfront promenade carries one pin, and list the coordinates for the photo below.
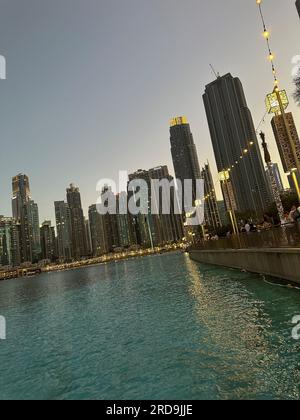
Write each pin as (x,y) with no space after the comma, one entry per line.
(274,252)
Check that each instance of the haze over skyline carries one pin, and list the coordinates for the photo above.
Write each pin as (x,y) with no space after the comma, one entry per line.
(92,84)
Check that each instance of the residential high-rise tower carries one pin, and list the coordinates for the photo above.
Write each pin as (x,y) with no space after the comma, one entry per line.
(235,144)
(184,153)
(77,222)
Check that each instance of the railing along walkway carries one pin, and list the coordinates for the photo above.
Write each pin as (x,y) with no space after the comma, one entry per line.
(287,236)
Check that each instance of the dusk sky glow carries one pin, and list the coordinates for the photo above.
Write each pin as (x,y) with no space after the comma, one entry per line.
(92,84)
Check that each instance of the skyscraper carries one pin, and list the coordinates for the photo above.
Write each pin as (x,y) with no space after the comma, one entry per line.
(88,237)
(99,238)
(235,144)
(35,230)
(20,199)
(48,245)
(25,212)
(276,173)
(282,140)
(184,152)
(21,194)
(77,222)
(110,222)
(170,225)
(284,146)
(127,237)
(211,209)
(145,224)
(64,231)
(159,228)
(9,242)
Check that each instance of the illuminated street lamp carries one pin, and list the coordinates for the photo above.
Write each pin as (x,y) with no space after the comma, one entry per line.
(272,103)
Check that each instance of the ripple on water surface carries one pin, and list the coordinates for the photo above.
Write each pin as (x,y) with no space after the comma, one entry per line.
(161,327)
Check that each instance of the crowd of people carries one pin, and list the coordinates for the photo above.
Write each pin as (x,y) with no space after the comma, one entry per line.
(287,233)
(291,218)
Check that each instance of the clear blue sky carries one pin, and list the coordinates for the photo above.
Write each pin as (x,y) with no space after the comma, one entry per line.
(92,84)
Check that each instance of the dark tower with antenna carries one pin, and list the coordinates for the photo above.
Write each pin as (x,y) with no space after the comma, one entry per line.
(235,144)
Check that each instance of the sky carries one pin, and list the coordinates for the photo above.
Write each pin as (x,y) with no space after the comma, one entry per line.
(92,84)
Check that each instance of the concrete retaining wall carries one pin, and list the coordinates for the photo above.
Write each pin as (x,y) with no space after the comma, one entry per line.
(281,263)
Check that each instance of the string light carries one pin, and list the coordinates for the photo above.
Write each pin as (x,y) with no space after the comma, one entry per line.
(237,163)
(266,35)
(247,150)
(278,95)
(245,153)
(271,57)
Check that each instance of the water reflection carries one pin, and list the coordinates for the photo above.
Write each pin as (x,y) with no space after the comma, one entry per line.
(161,327)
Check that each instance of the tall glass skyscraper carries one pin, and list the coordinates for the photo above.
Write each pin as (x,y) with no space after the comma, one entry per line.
(9,242)
(159,228)
(184,153)
(77,222)
(25,212)
(48,241)
(21,194)
(233,136)
(64,231)
(100,243)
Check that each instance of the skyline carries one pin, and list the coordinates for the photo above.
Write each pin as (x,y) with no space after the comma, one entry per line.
(52,120)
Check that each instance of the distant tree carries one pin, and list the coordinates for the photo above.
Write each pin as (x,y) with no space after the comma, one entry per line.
(289,200)
(297,91)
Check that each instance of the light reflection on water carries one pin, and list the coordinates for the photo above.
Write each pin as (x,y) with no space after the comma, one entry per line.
(152,328)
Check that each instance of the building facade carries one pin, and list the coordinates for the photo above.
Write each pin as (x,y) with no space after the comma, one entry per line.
(211,209)
(25,212)
(48,241)
(64,231)
(77,223)
(282,140)
(157,228)
(9,242)
(171,224)
(276,174)
(235,144)
(34,222)
(88,237)
(100,243)
(184,153)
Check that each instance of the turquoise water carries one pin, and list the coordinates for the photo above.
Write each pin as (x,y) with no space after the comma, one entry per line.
(161,327)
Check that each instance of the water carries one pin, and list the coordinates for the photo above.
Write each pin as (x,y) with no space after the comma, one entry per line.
(160,327)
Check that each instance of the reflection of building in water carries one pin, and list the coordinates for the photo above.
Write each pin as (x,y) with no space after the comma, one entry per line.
(230,318)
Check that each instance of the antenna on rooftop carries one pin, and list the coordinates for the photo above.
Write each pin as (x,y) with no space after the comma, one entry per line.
(214,71)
